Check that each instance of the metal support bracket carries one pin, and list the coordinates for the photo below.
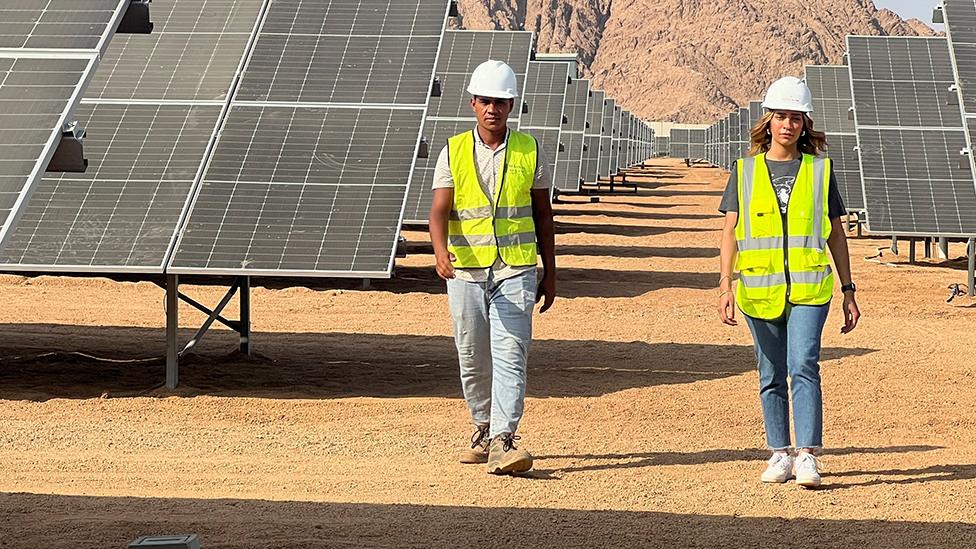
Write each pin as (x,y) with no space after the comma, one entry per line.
(173,298)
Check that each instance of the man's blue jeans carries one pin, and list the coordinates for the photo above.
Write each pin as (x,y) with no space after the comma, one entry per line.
(492,331)
(790,345)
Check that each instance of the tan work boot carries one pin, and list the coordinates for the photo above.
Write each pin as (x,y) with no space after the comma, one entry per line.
(478,452)
(504,458)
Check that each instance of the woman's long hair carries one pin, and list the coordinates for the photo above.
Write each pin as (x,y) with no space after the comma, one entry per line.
(811,141)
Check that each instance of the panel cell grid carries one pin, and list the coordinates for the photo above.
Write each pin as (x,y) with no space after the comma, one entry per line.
(298,190)
(462,52)
(193,53)
(832,102)
(335,51)
(594,119)
(910,138)
(46,24)
(606,136)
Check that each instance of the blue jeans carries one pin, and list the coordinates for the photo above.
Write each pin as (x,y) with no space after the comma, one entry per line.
(790,345)
(492,331)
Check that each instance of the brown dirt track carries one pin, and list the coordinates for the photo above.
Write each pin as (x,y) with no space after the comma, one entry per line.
(643,410)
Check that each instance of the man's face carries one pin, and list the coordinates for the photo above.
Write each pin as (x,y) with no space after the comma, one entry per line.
(492,113)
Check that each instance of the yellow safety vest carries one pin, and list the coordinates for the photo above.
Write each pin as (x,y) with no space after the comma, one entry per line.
(477,233)
(780,264)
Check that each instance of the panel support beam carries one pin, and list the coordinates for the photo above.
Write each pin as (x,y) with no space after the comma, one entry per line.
(173,299)
(971,279)
(172,328)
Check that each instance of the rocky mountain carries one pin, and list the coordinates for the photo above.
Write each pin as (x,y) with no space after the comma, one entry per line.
(690,60)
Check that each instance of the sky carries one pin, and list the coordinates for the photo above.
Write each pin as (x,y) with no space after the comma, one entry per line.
(920,9)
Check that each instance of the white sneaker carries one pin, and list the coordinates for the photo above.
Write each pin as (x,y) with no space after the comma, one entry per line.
(779,469)
(806,471)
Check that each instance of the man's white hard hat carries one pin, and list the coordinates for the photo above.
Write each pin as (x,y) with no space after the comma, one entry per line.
(789,94)
(494,79)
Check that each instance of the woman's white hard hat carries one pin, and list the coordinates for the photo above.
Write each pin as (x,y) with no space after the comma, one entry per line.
(789,94)
(494,79)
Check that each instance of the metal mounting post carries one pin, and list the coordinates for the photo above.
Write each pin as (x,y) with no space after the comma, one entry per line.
(245,323)
(943,247)
(911,250)
(894,245)
(172,327)
(971,280)
(927,248)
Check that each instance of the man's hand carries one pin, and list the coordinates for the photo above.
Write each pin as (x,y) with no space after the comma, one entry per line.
(851,313)
(445,269)
(547,290)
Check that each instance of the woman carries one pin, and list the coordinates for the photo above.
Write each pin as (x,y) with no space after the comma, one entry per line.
(782,211)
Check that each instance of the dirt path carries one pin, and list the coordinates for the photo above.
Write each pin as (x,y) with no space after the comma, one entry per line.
(643,409)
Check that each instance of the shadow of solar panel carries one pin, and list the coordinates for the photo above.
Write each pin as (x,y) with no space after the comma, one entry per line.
(299,190)
(71,24)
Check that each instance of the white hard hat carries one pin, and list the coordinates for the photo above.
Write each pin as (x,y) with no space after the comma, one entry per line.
(788,94)
(494,79)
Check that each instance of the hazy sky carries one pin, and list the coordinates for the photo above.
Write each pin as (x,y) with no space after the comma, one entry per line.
(921,9)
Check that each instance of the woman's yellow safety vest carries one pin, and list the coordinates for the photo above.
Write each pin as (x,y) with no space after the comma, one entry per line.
(780,264)
(477,233)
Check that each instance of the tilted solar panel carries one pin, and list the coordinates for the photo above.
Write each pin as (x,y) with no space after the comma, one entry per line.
(831,87)
(150,114)
(594,122)
(606,136)
(545,95)
(910,138)
(460,53)
(567,175)
(310,172)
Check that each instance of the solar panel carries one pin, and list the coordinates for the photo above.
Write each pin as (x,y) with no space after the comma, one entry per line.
(148,137)
(566,178)
(622,161)
(461,52)
(606,136)
(451,114)
(591,136)
(545,95)
(59,24)
(960,24)
(310,172)
(910,138)
(745,125)
(680,143)
(831,87)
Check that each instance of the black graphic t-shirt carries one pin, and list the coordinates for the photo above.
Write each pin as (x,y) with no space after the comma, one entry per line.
(783,174)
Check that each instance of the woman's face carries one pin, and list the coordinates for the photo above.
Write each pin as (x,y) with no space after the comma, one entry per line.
(786,127)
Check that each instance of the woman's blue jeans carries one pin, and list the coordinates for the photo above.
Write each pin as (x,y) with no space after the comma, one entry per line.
(790,346)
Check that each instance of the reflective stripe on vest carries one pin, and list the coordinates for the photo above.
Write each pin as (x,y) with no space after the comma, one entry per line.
(479,233)
(766,254)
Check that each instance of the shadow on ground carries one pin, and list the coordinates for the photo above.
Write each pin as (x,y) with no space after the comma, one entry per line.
(55,521)
(122,361)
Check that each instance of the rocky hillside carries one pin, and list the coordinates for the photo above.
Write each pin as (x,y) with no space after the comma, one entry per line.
(690,60)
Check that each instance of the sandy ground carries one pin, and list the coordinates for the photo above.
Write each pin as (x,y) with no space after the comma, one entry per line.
(642,407)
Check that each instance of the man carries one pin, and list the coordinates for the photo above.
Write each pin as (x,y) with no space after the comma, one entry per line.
(490,218)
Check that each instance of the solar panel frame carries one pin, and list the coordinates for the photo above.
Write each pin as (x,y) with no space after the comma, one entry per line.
(567,177)
(908,198)
(362,121)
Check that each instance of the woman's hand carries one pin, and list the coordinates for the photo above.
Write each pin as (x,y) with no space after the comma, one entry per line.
(726,308)
(851,313)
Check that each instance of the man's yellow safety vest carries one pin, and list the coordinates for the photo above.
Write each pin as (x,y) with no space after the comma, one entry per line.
(478,233)
(780,264)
